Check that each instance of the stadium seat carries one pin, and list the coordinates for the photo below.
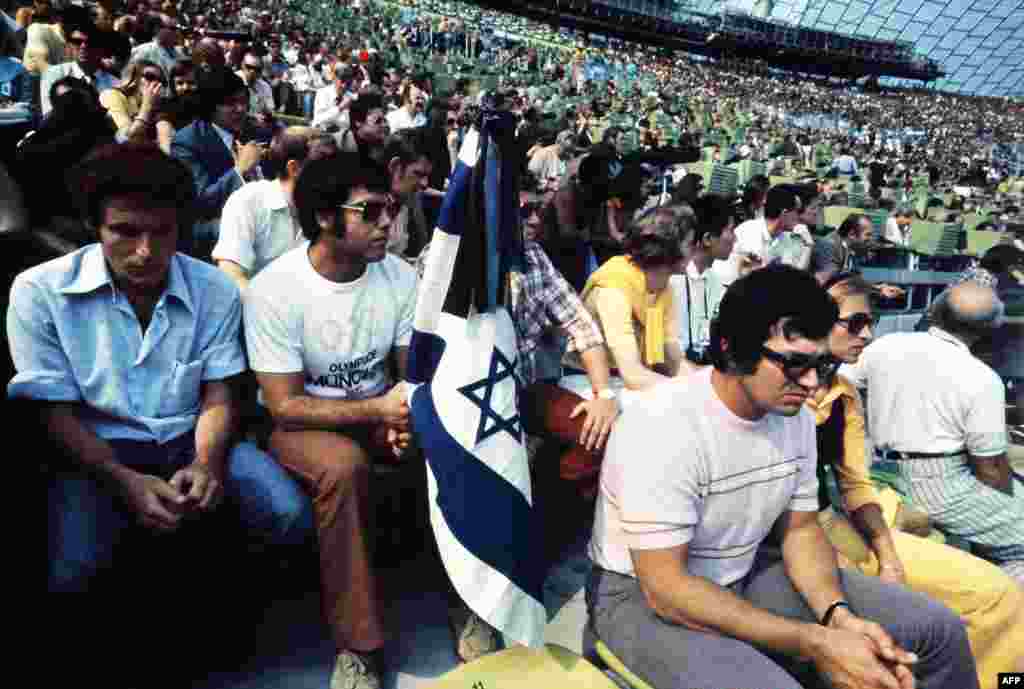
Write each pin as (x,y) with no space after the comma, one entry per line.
(835,215)
(525,668)
(980,241)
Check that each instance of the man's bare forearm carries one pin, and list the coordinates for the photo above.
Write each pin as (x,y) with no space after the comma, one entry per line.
(994,472)
(810,563)
(215,429)
(307,413)
(870,522)
(87,449)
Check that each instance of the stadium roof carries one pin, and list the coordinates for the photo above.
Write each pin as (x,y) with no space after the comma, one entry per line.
(979,43)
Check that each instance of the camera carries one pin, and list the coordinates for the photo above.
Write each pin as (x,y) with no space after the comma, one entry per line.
(699,354)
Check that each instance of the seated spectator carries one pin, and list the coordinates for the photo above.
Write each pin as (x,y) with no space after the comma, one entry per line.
(992,604)
(684,572)
(14,81)
(898,225)
(177,110)
(759,240)
(259,220)
(795,247)
(412,109)
(549,163)
(132,104)
(688,189)
(130,348)
(845,164)
(630,298)
(209,147)
(162,49)
(207,55)
(368,128)
(328,327)
(406,157)
(76,124)
(261,96)
(938,414)
(698,290)
(52,37)
(835,252)
(87,47)
(332,102)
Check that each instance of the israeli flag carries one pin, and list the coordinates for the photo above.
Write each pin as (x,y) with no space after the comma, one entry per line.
(463,397)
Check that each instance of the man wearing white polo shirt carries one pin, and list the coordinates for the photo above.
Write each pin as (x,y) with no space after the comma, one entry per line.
(684,589)
(259,221)
(756,238)
(939,414)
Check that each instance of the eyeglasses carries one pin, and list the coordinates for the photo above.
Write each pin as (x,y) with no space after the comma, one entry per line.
(796,365)
(372,210)
(150,76)
(251,68)
(856,323)
(78,41)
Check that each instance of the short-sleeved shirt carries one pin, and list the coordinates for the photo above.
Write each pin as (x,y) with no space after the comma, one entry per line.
(717,483)
(752,239)
(928,393)
(340,335)
(74,337)
(257,226)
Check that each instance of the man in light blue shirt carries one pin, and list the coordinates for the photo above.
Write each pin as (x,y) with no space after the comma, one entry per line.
(845,164)
(131,348)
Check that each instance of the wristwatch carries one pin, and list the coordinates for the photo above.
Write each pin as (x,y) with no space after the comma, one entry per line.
(606,394)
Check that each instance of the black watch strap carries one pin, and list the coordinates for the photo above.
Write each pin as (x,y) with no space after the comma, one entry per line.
(827,617)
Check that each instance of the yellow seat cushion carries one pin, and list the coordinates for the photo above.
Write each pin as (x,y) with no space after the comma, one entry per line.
(525,668)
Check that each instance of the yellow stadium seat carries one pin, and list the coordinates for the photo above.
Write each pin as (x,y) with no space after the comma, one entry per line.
(519,667)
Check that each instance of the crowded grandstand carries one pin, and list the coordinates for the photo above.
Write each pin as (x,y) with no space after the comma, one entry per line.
(539,343)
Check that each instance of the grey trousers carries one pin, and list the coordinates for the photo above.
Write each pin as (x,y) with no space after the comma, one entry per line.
(669,656)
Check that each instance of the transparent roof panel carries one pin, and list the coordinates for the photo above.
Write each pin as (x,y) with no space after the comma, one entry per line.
(979,43)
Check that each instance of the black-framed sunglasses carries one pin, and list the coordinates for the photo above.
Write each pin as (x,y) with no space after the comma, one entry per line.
(856,323)
(796,365)
(250,68)
(372,210)
(150,76)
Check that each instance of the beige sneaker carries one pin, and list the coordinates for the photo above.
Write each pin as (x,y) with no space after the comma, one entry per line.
(354,670)
(473,637)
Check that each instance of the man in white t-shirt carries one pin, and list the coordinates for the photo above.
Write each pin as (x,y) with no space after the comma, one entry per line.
(756,239)
(259,222)
(939,414)
(328,326)
(710,568)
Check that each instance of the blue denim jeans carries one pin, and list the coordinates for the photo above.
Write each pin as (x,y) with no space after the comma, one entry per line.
(308,98)
(87,522)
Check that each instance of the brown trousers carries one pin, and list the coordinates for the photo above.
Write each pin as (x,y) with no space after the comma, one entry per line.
(334,469)
(545,409)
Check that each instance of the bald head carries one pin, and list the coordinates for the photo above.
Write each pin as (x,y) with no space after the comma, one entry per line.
(969,310)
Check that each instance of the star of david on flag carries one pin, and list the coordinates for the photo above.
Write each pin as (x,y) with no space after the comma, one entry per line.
(464,398)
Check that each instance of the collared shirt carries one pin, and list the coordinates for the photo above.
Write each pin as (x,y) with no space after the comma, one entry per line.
(74,337)
(698,296)
(928,393)
(100,79)
(542,299)
(895,234)
(326,110)
(261,96)
(752,239)
(256,226)
(399,119)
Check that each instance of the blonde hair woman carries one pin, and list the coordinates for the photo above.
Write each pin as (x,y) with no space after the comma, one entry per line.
(989,601)
(132,104)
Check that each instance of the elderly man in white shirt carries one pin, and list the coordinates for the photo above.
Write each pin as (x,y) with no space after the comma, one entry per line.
(939,414)
(258,223)
(332,102)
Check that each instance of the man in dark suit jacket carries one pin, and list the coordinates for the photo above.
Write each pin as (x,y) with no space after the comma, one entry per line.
(211,150)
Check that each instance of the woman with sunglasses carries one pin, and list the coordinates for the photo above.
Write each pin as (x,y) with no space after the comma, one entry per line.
(990,602)
(132,105)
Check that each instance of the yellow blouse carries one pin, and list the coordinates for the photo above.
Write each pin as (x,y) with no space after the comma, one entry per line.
(851,469)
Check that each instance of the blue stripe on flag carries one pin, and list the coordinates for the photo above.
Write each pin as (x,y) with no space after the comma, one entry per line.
(492,216)
(425,352)
(489,516)
(453,210)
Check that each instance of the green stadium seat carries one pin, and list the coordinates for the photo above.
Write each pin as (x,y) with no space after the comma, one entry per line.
(934,239)
(835,215)
(980,241)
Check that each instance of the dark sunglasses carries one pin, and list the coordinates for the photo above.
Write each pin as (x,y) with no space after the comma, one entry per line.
(251,68)
(372,210)
(528,209)
(795,365)
(76,41)
(149,76)
(856,323)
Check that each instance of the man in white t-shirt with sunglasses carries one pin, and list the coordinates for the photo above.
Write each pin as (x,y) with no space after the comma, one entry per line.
(328,326)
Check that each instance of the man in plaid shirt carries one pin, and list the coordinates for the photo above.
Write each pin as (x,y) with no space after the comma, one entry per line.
(542,301)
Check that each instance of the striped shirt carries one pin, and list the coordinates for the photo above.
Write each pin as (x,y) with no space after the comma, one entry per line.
(714,482)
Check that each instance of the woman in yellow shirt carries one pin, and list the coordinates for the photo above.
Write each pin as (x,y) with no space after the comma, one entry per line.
(989,601)
(132,105)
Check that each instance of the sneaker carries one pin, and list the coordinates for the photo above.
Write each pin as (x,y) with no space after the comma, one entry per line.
(354,670)
(473,637)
